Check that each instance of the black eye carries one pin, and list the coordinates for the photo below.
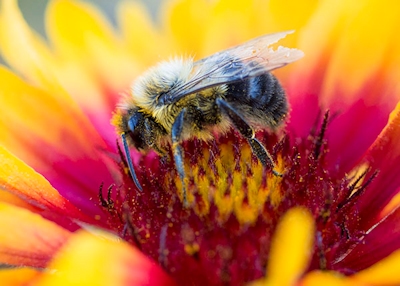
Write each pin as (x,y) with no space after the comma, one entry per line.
(136,121)
(136,130)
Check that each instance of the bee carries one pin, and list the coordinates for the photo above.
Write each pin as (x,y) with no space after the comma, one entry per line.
(180,99)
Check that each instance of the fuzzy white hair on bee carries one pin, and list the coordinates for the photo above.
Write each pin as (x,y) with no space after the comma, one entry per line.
(160,79)
(181,99)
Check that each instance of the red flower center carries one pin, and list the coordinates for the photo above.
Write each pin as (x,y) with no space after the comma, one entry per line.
(224,236)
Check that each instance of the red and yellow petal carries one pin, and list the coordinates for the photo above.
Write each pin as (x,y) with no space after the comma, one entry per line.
(27,239)
(54,137)
(384,272)
(21,180)
(90,260)
(384,156)
(350,54)
(87,59)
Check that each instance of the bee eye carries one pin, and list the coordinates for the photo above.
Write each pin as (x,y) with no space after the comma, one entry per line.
(136,130)
(135,121)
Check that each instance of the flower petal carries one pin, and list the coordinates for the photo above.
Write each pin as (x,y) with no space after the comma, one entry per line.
(21,180)
(26,53)
(18,276)
(184,21)
(140,36)
(291,14)
(99,66)
(89,61)
(291,248)
(384,155)
(380,241)
(55,138)
(317,278)
(26,238)
(90,260)
(349,64)
(385,272)
(15,200)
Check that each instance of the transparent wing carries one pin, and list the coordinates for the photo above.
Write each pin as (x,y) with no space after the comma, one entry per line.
(250,59)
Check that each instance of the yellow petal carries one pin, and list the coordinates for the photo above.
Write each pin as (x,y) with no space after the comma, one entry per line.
(229,23)
(326,278)
(90,260)
(392,205)
(72,38)
(292,14)
(28,55)
(89,42)
(26,238)
(144,42)
(364,46)
(185,21)
(291,249)
(15,200)
(22,48)
(384,272)
(18,276)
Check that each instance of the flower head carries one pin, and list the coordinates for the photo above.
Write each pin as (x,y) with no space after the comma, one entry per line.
(331,217)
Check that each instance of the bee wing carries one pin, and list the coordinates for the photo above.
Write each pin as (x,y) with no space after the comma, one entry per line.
(250,59)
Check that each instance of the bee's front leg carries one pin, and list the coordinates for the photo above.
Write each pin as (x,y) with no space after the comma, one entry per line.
(176,133)
(129,161)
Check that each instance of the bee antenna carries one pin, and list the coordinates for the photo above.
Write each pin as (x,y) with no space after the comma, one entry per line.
(129,160)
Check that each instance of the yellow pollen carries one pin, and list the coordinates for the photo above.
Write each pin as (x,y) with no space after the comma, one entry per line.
(192,249)
(234,181)
(355,174)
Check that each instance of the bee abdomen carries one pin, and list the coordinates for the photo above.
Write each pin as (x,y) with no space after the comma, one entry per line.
(261,99)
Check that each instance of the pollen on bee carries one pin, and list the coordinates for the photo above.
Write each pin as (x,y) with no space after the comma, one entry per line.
(117,121)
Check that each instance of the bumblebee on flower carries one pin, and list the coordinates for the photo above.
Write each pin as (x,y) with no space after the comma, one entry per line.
(179,100)
(328,214)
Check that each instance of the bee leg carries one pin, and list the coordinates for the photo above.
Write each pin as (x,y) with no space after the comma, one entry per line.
(176,133)
(245,129)
(129,160)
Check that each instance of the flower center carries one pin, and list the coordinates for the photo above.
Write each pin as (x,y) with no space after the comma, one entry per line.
(224,236)
(227,174)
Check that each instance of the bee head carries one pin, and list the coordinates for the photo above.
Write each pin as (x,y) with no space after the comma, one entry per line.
(131,123)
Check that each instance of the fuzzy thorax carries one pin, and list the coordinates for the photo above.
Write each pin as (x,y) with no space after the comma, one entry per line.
(159,80)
